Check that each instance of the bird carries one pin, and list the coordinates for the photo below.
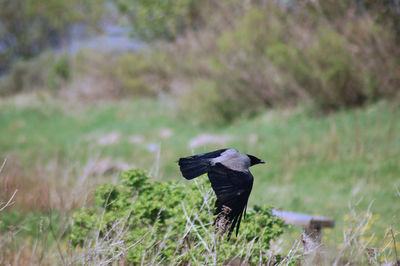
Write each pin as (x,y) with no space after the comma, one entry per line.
(231,180)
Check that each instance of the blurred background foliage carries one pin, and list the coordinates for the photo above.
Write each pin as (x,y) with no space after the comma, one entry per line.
(248,55)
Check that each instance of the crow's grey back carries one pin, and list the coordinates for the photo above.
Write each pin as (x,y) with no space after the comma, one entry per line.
(234,160)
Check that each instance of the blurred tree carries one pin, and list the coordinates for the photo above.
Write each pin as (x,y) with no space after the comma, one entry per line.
(29,26)
(154,19)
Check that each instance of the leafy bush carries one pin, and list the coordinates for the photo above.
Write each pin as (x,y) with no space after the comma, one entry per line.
(141,74)
(166,222)
(26,75)
(59,72)
(109,76)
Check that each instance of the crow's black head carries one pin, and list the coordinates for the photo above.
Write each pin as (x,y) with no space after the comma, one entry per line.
(254,160)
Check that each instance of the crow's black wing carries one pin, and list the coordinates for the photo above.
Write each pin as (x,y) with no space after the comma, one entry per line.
(208,155)
(196,165)
(233,190)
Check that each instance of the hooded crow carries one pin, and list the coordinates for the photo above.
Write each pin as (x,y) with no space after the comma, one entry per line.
(231,180)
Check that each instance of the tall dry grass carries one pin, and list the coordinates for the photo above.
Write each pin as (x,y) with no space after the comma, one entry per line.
(59,184)
(10,201)
(37,205)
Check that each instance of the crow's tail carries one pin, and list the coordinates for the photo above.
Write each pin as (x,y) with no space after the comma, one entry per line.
(192,167)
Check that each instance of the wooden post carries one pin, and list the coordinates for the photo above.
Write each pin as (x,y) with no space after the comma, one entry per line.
(311,238)
(312,225)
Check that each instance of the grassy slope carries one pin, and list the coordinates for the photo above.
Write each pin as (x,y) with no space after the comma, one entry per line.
(316,164)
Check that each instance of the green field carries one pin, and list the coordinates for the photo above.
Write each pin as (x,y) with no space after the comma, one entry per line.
(324,165)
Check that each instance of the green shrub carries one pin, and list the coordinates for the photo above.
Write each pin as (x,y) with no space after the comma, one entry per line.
(141,73)
(154,19)
(209,103)
(110,76)
(332,78)
(45,71)
(26,75)
(61,67)
(166,222)
(60,72)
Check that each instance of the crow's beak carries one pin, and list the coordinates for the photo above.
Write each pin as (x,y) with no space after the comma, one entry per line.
(262,161)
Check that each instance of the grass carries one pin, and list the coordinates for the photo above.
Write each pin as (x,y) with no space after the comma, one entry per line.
(316,164)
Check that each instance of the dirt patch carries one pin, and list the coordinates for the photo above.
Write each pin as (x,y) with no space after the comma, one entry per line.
(109,139)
